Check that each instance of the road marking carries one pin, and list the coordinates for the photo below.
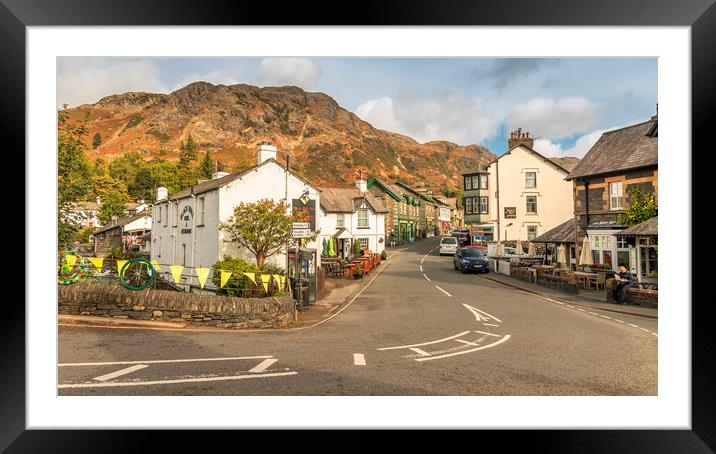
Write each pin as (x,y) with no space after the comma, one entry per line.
(479,317)
(580,309)
(594,313)
(169,382)
(489,324)
(570,306)
(631,324)
(119,373)
(263,365)
(560,303)
(466,342)
(604,316)
(159,361)
(421,268)
(358,359)
(617,320)
(654,334)
(426,277)
(466,351)
(425,343)
(443,291)
(644,329)
(488,334)
(420,352)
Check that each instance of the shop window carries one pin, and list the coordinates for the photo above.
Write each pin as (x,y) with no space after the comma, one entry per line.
(623,259)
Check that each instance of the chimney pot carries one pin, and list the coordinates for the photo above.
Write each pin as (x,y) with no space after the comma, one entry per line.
(162,193)
(266,150)
(362,185)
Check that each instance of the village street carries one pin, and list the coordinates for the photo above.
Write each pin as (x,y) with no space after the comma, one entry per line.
(418,328)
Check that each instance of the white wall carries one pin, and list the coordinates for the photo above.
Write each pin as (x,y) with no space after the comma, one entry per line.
(375,231)
(554,195)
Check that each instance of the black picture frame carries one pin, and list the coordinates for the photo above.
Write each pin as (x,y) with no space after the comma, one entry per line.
(700,15)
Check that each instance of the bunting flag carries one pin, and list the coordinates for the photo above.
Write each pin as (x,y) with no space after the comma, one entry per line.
(277,278)
(156,265)
(250,276)
(176,272)
(120,264)
(282,282)
(225,275)
(265,278)
(96,262)
(202,273)
(71,260)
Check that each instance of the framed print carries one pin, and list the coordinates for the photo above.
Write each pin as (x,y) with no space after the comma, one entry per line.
(196,151)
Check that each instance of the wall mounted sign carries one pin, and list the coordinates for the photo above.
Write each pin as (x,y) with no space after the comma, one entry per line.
(187,215)
(510,212)
(308,209)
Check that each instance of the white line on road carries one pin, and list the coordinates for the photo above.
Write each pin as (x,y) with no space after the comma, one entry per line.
(594,313)
(489,324)
(631,324)
(263,365)
(119,373)
(580,309)
(359,359)
(466,351)
(644,329)
(489,334)
(159,361)
(466,342)
(421,268)
(420,352)
(475,311)
(425,343)
(426,277)
(654,334)
(617,320)
(443,291)
(570,306)
(607,317)
(169,382)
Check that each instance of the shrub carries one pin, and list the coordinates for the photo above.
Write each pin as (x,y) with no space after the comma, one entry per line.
(383,255)
(358,273)
(238,284)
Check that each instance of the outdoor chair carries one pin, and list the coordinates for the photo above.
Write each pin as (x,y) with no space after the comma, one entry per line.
(601,280)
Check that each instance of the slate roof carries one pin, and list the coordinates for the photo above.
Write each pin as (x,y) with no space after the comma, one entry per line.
(627,148)
(347,200)
(647,228)
(122,222)
(563,233)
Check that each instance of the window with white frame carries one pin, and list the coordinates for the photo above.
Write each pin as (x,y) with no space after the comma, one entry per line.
(531,203)
(530,179)
(468,183)
(468,206)
(476,205)
(202,205)
(616,196)
(340,220)
(483,205)
(531,232)
(475,181)
(363,243)
(363,218)
(483,181)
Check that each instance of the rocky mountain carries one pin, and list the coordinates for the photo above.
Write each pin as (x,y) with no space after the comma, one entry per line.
(327,143)
(568,162)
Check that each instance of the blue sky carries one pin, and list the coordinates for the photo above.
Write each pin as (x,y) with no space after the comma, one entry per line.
(565,102)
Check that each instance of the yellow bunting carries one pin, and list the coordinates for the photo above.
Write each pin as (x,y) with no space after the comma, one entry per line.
(96,262)
(156,265)
(277,278)
(202,273)
(225,275)
(176,272)
(265,278)
(71,259)
(120,264)
(282,282)
(250,276)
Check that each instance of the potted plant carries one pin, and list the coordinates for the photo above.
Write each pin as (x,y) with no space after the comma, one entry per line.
(383,255)
(358,272)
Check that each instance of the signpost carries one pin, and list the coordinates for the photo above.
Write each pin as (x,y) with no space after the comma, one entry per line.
(301,233)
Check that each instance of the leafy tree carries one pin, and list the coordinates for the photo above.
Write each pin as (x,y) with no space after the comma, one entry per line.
(125,167)
(356,247)
(642,207)
(83,234)
(263,228)
(143,185)
(188,152)
(112,206)
(164,173)
(206,166)
(96,141)
(73,172)
(104,187)
(99,167)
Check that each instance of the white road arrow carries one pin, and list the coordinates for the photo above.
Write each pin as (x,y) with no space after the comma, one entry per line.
(481,316)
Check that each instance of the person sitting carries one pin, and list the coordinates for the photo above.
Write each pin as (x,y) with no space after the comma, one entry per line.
(624,282)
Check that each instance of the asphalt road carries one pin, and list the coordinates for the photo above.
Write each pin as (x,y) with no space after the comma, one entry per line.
(419,328)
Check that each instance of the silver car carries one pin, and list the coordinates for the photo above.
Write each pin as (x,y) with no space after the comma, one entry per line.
(448,245)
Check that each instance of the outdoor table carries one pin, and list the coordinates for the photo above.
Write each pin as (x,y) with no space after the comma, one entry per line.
(586,279)
(349,269)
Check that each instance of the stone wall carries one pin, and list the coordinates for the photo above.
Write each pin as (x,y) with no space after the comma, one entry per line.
(561,284)
(635,296)
(208,310)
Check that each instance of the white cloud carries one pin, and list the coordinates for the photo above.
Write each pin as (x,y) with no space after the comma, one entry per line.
(580,148)
(276,72)
(230,76)
(449,116)
(82,80)
(555,118)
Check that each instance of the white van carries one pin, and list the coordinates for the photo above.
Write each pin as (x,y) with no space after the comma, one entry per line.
(448,245)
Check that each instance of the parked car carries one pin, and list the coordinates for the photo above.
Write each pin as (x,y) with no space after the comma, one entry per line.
(471,258)
(448,245)
(463,237)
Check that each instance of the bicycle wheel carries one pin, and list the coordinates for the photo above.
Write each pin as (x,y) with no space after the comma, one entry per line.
(69,274)
(137,274)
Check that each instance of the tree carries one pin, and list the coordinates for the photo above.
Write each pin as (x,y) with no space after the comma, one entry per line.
(642,207)
(96,141)
(73,172)
(206,166)
(263,228)
(356,247)
(113,206)
(143,185)
(188,152)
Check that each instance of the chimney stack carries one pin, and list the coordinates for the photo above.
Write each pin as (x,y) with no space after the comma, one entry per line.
(362,186)
(162,193)
(520,138)
(219,174)
(266,150)
(114,220)
(99,201)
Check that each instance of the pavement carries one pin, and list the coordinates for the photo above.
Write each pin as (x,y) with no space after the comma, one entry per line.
(415,327)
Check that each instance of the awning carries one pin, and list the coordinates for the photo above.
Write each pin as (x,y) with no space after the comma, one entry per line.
(342,234)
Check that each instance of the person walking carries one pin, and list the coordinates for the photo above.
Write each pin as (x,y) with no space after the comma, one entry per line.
(624,281)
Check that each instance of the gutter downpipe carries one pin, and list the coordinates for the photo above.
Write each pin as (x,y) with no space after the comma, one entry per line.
(497,197)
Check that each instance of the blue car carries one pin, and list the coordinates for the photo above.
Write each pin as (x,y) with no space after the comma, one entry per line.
(471,258)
